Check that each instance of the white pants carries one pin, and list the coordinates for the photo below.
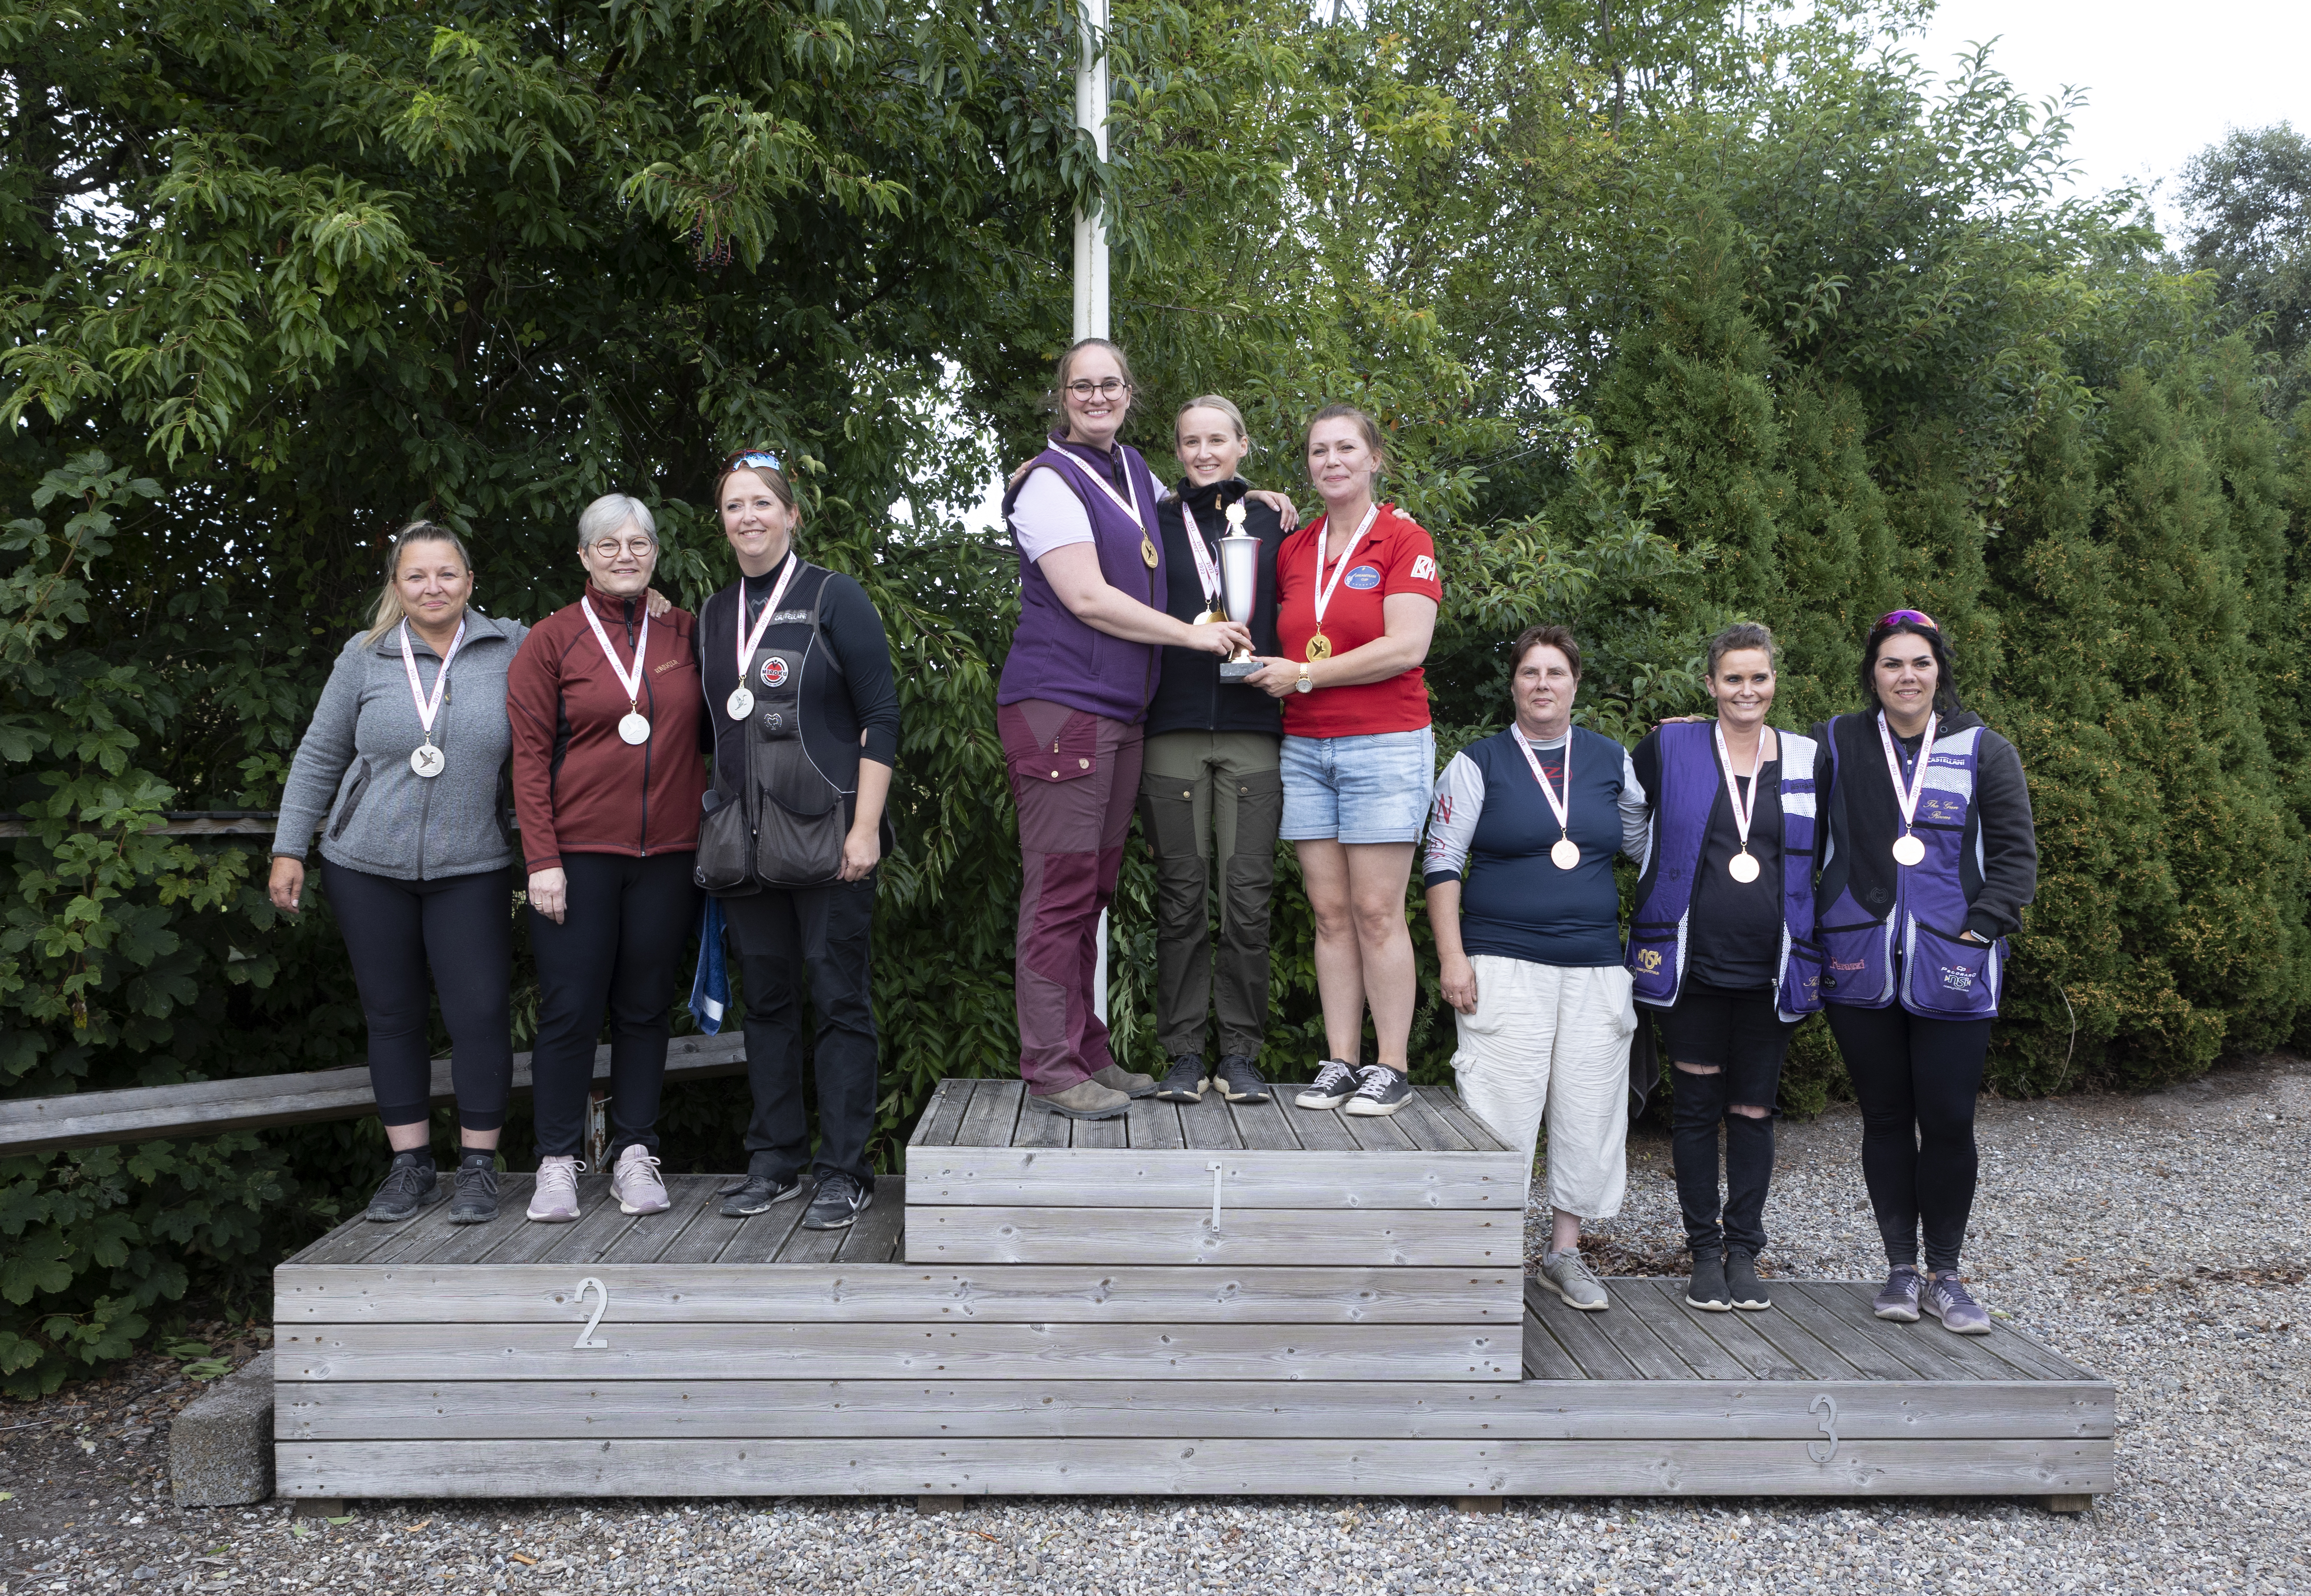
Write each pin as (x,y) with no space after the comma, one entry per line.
(1551,1041)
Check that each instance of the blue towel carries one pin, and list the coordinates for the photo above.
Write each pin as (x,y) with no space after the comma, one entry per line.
(710,989)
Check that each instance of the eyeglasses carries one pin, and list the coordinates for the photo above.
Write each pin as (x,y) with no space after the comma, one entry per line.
(1106,388)
(610,549)
(1897,617)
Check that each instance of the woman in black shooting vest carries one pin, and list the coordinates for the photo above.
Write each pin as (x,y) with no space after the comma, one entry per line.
(796,672)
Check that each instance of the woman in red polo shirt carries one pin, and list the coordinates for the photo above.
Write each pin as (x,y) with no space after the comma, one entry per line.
(1357,597)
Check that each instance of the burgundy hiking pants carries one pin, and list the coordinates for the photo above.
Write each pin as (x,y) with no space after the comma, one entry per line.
(1074,776)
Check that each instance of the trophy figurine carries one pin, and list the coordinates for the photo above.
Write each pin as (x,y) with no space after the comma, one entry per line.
(1239,587)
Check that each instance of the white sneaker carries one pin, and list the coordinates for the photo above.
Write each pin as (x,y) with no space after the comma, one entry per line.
(555,1200)
(636,1184)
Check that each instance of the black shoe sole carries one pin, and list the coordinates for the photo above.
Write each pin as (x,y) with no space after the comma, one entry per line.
(1082,1114)
(472,1218)
(845,1222)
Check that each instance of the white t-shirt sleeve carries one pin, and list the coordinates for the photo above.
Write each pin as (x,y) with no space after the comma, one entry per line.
(1047,515)
(1452,811)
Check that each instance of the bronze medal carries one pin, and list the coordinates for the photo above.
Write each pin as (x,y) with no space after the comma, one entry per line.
(1148,551)
(1319,647)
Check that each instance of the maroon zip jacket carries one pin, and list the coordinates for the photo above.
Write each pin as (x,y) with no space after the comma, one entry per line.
(578,788)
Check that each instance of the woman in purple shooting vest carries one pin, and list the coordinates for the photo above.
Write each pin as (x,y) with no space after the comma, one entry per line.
(1722,949)
(1930,857)
(1082,666)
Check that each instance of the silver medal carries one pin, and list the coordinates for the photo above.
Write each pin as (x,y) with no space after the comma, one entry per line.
(1908,851)
(634,728)
(740,704)
(1742,867)
(428,761)
(1565,855)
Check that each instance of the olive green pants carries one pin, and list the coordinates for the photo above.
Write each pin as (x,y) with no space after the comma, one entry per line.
(1207,795)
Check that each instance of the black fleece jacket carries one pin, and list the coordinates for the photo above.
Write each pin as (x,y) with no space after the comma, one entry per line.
(1856,799)
(1190,696)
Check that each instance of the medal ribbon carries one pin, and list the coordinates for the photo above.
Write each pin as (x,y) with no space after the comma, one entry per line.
(1108,488)
(1320,600)
(427,709)
(1207,566)
(747,641)
(1907,794)
(1742,811)
(1561,807)
(631,682)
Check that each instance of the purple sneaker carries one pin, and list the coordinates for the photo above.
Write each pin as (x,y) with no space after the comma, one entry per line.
(1947,1300)
(553,1200)
(1897,1299)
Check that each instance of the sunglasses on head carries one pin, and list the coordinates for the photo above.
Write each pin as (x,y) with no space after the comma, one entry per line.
(1919,616)
(755,456)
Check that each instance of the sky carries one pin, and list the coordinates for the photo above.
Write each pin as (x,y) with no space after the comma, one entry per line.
(2163,81)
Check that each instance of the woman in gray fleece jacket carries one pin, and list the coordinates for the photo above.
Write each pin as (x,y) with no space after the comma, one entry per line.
(401,774)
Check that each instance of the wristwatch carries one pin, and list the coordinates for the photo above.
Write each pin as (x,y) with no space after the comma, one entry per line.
(1304,684)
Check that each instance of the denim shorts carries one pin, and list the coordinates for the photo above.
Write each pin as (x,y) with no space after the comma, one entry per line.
(1371,789)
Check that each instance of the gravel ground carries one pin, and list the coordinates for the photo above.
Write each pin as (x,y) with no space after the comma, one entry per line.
(2158,1238)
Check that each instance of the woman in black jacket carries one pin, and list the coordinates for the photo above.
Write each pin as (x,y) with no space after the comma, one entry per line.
(1931,856)
(1211,785)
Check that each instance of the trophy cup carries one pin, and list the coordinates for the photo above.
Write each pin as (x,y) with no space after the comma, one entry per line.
(1239,587)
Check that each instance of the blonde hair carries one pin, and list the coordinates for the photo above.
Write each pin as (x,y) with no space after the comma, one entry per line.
(389,610)
(1225,407)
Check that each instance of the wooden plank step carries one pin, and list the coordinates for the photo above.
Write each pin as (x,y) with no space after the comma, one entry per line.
(1062,1176)
(1529,1409)
(1138,1351)
(1025,1294)
(788,1467)
(1395,1237)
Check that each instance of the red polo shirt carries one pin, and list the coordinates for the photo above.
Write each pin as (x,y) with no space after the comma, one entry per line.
(1394,556)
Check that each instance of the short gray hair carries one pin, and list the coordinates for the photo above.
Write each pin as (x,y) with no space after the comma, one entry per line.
(608,515)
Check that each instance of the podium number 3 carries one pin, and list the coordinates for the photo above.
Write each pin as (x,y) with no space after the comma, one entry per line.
(1827,1406)
(586,1337)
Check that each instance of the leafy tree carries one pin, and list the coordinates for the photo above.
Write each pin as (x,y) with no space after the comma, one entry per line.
(2247,201)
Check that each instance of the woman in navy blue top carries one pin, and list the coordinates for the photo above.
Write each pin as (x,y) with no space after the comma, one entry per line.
(1529,941)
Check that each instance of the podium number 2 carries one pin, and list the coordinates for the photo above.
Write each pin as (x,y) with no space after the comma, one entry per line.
(586,1337)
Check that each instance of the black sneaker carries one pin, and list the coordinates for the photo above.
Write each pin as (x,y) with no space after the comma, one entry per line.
(411,1183)
(1742,1283)
(752,1194)
(1334,1085)
(1380,1092)
(1185,1081)
(1238,1079)
(839,1200)
(1707,1289)
(476,1201)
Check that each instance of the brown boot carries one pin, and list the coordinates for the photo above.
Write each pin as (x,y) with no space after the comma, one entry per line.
(1115,1077)
(1087,1100)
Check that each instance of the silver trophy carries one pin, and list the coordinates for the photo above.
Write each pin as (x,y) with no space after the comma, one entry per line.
(1239,587)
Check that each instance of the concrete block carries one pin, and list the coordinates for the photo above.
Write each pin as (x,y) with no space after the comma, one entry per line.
(221,1445)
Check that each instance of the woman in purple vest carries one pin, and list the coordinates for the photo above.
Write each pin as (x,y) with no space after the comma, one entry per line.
(1930,857)
(1075,692)
(1722,949)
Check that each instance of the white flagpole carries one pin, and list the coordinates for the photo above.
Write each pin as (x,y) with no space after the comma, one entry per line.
(1091,283)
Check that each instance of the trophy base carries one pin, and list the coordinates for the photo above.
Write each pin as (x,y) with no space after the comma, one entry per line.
(1237,670)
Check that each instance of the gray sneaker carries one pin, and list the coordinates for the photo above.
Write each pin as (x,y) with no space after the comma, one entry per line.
(1945,1297)
(1897,1299)
(411,1183)
(1238,1079)
(1573,1281)
(1707,1289)
(1334,1085)
(1184,1083)
(1742,1283)
(475,1201)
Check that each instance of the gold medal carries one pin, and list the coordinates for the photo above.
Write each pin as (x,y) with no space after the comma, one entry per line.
(1210,617)
(1148,551)
(1319,647)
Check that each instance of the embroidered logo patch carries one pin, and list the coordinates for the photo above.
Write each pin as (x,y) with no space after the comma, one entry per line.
(1649,960)
(774,671)
(1363,579)
(1958,977)
(1424,569)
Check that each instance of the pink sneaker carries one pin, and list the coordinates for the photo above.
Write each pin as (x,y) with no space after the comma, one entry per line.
(636,1184)
(555,1200)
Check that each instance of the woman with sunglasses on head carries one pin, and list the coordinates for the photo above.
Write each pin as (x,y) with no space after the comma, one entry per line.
(608,773)
(1212,787)
(804,708)
(404,769)
(1070,708)
(1358,594)
(1722,947)
(1930,856)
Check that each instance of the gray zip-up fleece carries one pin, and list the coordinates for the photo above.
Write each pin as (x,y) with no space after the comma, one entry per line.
(353,765)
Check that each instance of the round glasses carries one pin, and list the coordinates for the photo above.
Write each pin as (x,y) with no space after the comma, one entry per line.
(1106,388)
(610,549)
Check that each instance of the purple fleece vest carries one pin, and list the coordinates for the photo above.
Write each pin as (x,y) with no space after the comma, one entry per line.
(1055,655)
(1914,955)
(1691,779)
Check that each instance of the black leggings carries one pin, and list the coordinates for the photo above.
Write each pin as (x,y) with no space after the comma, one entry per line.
(620,944)
(462,928)
(1916,1080)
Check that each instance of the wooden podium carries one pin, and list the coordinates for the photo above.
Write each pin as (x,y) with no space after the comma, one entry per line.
(1199,1299)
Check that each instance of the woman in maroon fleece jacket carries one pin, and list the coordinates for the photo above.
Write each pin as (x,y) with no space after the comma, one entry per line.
(608,770)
